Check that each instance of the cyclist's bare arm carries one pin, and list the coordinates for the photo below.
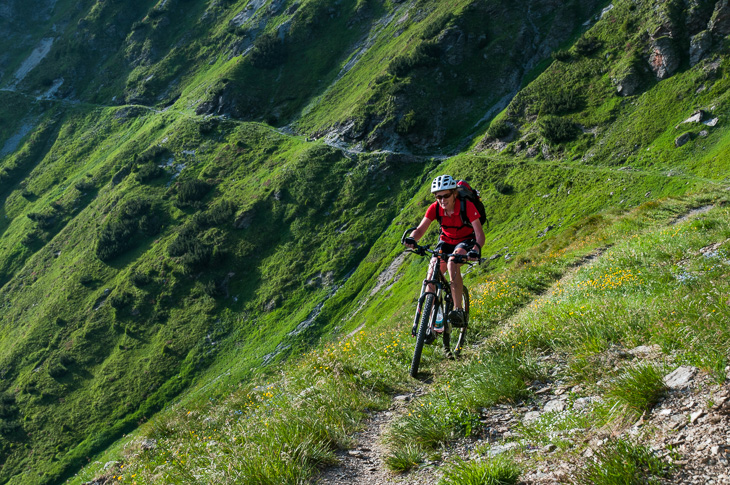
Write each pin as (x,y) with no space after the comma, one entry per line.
(418,232)
(478,232)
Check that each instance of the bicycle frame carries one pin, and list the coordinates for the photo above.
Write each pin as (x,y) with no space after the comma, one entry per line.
(436,294)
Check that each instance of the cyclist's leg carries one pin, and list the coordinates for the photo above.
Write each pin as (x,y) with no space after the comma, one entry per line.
(457,284)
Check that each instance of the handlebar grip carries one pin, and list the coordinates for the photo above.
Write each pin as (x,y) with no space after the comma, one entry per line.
(404,236)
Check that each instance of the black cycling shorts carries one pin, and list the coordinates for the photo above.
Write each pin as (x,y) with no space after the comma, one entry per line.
(447,248)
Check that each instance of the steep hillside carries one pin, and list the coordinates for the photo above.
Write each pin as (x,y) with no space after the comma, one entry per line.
(149,232)
(192,191)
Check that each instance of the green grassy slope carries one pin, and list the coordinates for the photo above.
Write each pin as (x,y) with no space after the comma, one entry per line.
(142,273)
(595,187)
(148,251)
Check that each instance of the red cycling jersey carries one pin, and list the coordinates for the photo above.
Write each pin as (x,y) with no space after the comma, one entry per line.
(453,230)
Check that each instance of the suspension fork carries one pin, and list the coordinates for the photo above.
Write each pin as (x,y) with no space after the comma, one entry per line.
(436,289)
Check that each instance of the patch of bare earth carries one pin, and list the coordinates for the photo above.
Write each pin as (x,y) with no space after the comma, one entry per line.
(364,464)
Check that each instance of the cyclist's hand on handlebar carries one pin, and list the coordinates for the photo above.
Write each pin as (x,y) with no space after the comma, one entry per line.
(473,255)
(409,242)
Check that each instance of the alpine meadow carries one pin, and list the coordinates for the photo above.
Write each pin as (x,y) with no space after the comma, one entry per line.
(202,279)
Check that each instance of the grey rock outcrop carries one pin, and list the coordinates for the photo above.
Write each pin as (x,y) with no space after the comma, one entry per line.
(221,103)
(699,46)
(680,377)
(699,13)
(452,42)
(719,24)
(664,58)
(628,83)
(682,139)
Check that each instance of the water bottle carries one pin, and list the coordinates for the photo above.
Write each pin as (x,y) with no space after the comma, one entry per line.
(439,319)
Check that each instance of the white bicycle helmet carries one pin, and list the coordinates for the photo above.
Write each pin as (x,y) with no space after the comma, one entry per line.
(443,182)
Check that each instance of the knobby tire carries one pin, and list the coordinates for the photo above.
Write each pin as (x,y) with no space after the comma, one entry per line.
(426,315)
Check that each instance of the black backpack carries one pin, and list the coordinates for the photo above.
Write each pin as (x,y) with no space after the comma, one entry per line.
(466,192)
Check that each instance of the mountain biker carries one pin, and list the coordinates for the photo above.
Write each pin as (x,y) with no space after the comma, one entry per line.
(455,238)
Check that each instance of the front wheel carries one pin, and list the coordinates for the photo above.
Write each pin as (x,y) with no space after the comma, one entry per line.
(426,315)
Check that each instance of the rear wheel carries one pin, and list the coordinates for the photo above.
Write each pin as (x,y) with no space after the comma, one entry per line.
(427,314)
(460,333)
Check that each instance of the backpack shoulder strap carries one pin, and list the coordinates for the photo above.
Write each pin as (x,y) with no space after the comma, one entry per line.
(464,219)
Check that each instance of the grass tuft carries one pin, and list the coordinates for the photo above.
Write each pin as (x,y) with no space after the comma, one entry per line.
(639,388)
(499,470)
(404,458)
(621,462)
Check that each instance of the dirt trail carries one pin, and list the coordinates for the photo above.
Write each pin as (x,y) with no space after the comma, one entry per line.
(363,464)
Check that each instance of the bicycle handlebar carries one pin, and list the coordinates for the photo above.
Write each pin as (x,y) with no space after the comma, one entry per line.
(422,250)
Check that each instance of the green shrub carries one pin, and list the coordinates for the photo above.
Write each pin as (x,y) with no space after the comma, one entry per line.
(561,101)
(587,45)
(557,129)
(425,54)
(135,217)
(148,171)
(153,153)
(400,66)
(499,129)
(503,187)
(86,279)
(140,279)
(221,213)
(562,55)
(191,190)
(406,123)
(121,300)
(85,185)
(44,221)
(268,52)
(195,250)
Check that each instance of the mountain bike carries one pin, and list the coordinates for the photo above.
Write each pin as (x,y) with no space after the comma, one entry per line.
(436,298)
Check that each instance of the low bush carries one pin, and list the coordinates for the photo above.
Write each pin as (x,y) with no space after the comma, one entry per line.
(558,102)
(499,129)
(190,191)
(268,52)
(43,221)
(121,300)
(140,279)
(426,54)
(149,171)
(557,129)
(135,217)
(503,187)
(562,55)
(587,45)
